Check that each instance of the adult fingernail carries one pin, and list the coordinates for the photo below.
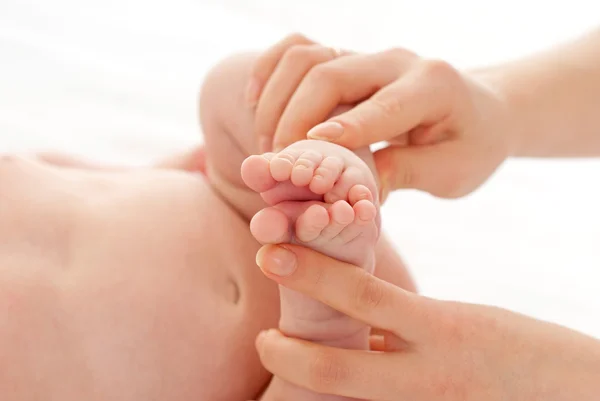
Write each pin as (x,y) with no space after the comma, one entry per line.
(326,131)
(264,144)
(276,260)
(252,92)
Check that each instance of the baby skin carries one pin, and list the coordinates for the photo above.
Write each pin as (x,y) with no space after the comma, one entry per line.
(322,196)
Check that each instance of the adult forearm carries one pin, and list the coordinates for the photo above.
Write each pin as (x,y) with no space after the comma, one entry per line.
(572,372)
(554,98)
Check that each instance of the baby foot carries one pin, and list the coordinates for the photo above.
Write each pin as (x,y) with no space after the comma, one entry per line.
(322,196)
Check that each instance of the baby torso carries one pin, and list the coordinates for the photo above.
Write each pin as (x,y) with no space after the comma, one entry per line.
(154,293)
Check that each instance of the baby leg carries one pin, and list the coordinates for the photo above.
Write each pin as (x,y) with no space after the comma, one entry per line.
(323,196)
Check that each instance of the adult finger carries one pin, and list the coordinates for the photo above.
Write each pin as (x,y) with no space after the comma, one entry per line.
(345,80)
(441,169)
(424,96)
(350,373)
(282,83)
(347,289)
(266,64)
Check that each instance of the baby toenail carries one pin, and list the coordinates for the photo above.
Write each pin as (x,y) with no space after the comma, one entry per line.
(331,198)
(364,215)
(286,157)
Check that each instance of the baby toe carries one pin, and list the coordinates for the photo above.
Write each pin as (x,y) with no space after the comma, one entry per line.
(310,223)
(365,212)
(326,175)
(270,226)
(256,173)
(282,164)
(341,215)
(350,177)
(358,193)
(304,168)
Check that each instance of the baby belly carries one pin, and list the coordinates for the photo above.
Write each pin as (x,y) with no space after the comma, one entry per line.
(237,300)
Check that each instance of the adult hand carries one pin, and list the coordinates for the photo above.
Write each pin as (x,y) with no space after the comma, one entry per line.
(274,79)
(432,350)
(447,132)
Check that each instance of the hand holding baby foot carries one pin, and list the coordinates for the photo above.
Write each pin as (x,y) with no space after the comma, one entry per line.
(324,197)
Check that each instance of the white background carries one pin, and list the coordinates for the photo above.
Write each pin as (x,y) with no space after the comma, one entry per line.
(118,81)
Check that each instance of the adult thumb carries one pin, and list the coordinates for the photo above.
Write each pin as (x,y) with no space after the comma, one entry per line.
(438,169)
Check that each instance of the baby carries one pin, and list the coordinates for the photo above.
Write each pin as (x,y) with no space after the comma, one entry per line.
(141,284)
(316,194)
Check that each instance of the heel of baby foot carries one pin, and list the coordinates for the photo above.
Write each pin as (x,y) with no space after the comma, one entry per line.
(307,319)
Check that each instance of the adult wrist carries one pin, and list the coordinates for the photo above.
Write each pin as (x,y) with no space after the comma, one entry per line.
(511,105)
(574,373)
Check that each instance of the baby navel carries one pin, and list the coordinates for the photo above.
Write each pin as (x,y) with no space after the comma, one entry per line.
(231,291)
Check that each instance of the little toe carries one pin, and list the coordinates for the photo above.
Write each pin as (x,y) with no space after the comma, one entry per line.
(341,215)
(282,164)
(365,213)
(304,168)
(358,193)
(310,223)
(326,175)
(270,226)
(256,173)
(349,178)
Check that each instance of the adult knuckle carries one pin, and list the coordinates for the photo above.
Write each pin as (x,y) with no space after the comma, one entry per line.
(323,75)
(400,54)
(389,105)
(452,325)
(439,69)
(454,185)
(369,292)
(297,54)
(296,37)
(407,175)
(327,372)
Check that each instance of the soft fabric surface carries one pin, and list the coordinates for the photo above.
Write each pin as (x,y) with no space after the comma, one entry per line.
(117,81)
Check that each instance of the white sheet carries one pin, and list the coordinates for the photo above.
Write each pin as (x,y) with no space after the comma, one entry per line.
(117,80)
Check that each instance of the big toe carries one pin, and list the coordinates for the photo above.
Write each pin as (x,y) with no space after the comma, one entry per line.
(270,226)
(256,173)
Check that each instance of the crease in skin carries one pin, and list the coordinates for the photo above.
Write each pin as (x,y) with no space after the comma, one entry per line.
(232,292)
